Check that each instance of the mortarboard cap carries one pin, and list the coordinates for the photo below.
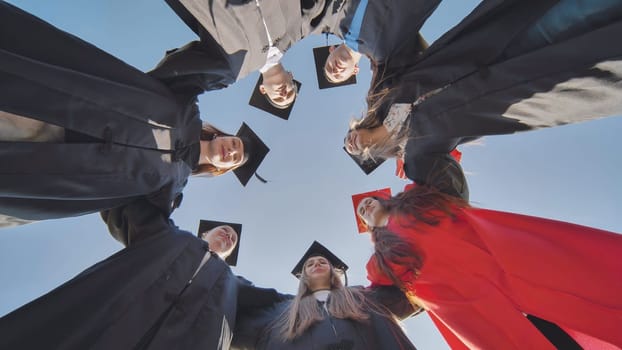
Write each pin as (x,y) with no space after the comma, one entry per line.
(320,54)
(368,165)
(256,151)
(316,249)
(206,225)
(357,198)
(261,101)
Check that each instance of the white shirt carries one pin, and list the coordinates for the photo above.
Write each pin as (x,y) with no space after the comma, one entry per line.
(274,54)
(396,117)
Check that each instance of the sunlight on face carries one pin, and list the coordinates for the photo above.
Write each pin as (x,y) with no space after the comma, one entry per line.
(340,64)
(368,210)
(226,152)
(280,89)
(317,269)
(221,239)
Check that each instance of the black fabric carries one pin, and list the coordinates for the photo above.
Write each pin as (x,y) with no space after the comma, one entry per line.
(560,339)
(233,41)
(254,327)
(140,297)
(388,34)
(76,137)
(150,132)
(473,88)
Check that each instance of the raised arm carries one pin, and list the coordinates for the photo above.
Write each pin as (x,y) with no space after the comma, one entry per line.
(392,298)
(252,323)
(136,221)
(440,170)
(194,68)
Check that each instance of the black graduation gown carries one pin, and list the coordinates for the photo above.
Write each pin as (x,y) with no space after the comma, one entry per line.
(388,29)
(253,329)
(233,34)
(148,134)
(488,89)
(143,297)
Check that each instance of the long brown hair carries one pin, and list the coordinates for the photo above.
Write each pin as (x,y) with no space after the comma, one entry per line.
(304,311)
(208,133)
(421,205)
(379,98)
(382,93)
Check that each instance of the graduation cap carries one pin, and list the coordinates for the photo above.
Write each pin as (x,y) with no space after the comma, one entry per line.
(255,150)
(206,225)
(263,102)
(367,165)
(316,249)
(384,193)
(320,54)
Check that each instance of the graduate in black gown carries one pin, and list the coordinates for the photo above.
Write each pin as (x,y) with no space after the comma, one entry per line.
(168,289)
(123,133)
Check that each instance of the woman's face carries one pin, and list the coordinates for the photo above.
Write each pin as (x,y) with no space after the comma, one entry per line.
(370,211)
(221,239)
(357,140)
(317,270)
(225,152)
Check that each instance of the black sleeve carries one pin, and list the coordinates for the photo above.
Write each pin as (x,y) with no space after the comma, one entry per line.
(195,68)
(131,223)
(393,299)
(440,170)
(250,296)
(252,324)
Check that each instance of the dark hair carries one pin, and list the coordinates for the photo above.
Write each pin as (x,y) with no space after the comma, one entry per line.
(208,133)
(421,205)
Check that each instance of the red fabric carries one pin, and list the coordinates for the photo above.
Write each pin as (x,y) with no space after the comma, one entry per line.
(454,342)
(399,168)
(456,154)
(483,269)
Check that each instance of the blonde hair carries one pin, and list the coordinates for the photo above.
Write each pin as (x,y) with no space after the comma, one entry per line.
(377,104)
(304,311)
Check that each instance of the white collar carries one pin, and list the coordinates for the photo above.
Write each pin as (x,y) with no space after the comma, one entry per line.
(321,295)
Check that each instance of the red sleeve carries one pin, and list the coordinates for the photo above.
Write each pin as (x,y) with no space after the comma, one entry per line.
(479,316)
(375,276)
(454,342)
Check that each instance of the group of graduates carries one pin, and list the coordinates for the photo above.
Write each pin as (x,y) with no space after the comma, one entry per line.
(488,279)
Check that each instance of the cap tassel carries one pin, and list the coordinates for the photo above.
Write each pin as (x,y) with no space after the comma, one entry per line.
(260,178)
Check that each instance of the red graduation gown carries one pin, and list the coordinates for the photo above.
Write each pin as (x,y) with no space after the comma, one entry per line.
(484,269)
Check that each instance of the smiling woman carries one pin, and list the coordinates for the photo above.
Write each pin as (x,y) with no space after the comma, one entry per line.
(326,313)
(123,134)
(457,261)
(468,84)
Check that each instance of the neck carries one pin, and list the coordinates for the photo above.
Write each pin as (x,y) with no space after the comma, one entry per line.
(205,155)
(272,72)
(355,54)
(383,219)
(316,287)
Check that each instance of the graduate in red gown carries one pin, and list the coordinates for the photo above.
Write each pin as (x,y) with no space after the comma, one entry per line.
(478,272)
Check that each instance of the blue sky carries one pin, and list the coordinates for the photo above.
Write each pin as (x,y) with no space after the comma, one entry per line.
(568,173)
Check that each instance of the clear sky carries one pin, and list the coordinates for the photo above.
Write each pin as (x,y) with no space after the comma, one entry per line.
(568,173)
